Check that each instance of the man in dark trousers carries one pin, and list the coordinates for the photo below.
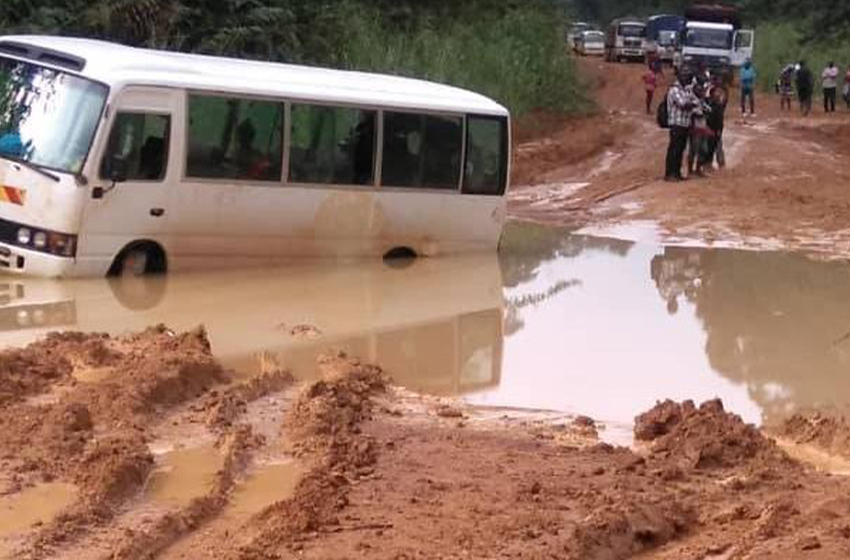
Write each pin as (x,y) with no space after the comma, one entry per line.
(680,106)
(805,87)
(717,99)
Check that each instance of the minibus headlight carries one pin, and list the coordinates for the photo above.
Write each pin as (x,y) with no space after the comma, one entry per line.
(40,240)
(64,245)
(24,236)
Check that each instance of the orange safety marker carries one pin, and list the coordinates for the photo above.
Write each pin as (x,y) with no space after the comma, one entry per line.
(13,195)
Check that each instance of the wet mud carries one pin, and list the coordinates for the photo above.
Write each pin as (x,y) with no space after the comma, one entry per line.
(349,465)
(783,187)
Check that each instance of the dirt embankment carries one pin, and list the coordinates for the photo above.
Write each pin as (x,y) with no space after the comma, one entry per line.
(783,187)
(389,474)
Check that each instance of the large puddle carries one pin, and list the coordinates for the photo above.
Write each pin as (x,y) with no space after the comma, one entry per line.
(558,322)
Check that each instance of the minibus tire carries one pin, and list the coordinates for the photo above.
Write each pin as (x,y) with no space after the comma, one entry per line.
(400,257)
(139,259)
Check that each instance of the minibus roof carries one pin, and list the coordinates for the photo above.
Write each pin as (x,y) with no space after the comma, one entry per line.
(115,64)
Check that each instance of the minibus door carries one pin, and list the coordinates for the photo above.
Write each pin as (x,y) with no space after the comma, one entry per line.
(135,163)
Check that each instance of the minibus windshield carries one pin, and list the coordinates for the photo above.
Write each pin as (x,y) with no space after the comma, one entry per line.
(47,117)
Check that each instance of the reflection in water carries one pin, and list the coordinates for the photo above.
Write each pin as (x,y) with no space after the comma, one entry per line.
(560,322)
(435,324)
(778,323)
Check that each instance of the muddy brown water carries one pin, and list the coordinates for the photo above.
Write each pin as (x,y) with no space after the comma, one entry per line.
(557,322)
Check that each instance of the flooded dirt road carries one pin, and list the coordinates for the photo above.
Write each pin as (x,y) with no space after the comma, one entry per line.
(269,433)
(554,324)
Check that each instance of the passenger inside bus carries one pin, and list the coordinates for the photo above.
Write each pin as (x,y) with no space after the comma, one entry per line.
(362,146)
(152,158)
(251,162)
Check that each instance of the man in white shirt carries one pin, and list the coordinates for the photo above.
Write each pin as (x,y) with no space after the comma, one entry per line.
(830,87)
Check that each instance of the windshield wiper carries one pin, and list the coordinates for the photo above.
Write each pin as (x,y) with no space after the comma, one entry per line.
(30,165)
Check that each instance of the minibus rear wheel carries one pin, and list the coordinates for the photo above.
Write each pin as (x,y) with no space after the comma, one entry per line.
(139,259)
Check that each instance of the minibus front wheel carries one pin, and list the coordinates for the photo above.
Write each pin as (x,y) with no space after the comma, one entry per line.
(138,259)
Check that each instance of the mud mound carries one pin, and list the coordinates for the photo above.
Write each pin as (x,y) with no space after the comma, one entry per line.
(31,370)
(703,438)
(94,434)
(828,432)
(156,369)
(333,407)
(151,371)
(629,529)
(222,408)
(113,469)
(324,427)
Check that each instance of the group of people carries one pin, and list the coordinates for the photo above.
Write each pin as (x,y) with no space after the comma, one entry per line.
(797,79)
(696,109)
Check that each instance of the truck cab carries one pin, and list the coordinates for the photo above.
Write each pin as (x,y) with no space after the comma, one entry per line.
(625,39)
(714,38)
(718,47)
(662,36)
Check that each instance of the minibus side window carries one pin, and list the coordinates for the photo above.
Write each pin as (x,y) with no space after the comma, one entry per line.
(486,156)
(422,151)
(234,138)
(332,145)
(140,142)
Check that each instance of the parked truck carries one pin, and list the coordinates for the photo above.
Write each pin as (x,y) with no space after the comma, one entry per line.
(625,39)
(662,36)
(713,38)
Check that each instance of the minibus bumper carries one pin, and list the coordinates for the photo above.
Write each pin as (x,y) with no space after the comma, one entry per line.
(25,262)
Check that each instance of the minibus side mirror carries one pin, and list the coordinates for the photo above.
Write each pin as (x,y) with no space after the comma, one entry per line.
(117,174)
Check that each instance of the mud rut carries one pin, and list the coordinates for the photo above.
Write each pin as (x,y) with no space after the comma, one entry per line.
(784,185)
(387,473)
(140,392)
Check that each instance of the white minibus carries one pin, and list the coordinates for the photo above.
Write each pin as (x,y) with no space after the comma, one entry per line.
(115,159)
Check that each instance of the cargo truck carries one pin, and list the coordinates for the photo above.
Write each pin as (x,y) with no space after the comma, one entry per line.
(714,38)
(625,39)
(662,36)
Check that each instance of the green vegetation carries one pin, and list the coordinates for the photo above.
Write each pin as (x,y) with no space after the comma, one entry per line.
(779,44)
(511,50)
(517,58)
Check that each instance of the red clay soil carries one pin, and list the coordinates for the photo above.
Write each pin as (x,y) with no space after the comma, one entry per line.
(392,475)
(390,484)
(785,180)
(828,432)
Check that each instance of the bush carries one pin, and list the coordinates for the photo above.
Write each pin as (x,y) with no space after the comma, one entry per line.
(780,44)
(517,58)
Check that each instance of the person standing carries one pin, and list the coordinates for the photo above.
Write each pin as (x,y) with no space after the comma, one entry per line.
(650,84)
(829,79)
(680,105)
(748,88)
(805,88)
(785,85)
(718,97)
(846,90)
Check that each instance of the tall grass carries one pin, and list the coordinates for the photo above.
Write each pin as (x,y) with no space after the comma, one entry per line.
(780,44)
(516,57)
